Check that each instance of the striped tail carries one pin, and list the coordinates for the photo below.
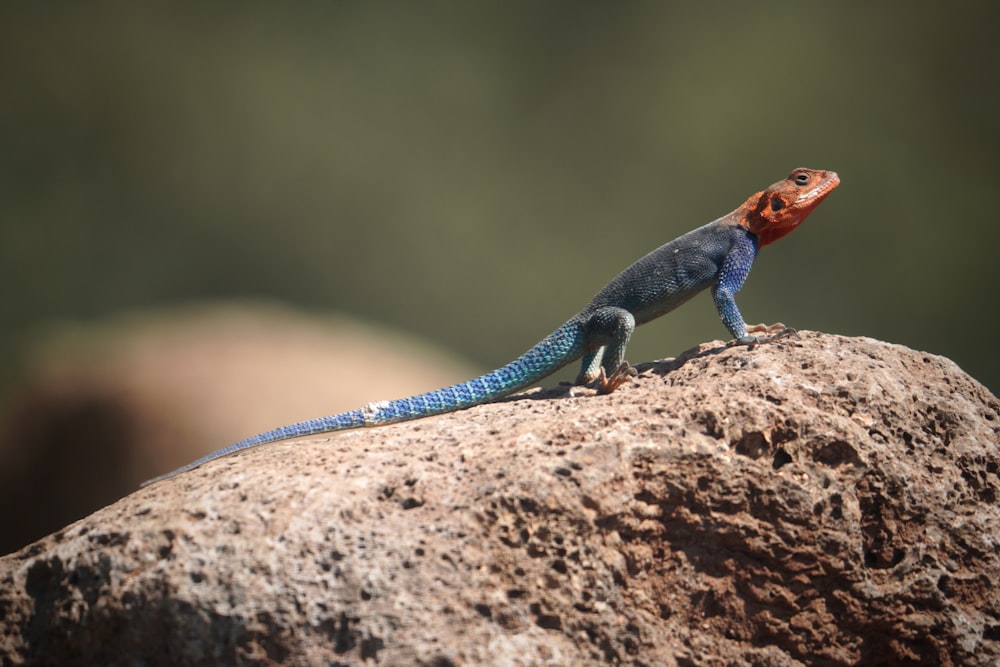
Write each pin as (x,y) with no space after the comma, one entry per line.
(563,346)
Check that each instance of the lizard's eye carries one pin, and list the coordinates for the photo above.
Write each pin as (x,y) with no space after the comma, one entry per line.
(802,179)
(777,204)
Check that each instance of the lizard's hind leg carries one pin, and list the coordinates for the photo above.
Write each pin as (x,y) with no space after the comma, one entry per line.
(608,330)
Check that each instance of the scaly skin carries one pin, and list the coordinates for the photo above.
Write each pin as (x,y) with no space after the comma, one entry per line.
(716,256)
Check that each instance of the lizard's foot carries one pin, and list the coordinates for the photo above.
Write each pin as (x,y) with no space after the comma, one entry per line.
(770,329)
(773,332)
(606,385)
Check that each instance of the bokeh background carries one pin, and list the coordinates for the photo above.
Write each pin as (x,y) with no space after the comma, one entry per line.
(472,172)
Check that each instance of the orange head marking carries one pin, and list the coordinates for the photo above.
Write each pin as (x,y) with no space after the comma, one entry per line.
(771,214)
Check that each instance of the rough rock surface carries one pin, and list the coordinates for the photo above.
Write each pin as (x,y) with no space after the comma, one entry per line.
(821,500)
(100,407)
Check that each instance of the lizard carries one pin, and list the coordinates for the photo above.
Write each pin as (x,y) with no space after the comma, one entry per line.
(716,256)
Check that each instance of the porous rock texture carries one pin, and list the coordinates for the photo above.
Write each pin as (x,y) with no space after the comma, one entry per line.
(820,500)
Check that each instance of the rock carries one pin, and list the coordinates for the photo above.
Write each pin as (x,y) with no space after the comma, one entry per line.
(101,407)
(819,500)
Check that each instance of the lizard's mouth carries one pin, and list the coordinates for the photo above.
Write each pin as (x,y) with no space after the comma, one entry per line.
(815,195)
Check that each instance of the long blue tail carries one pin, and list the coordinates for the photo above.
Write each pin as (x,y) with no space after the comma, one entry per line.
(561,347)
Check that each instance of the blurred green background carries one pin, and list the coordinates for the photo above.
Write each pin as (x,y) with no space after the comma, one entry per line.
(472,172)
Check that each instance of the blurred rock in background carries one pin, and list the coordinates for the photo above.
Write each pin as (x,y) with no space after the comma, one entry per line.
(101,407)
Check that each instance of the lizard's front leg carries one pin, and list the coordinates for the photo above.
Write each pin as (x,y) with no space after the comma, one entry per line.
(732,275)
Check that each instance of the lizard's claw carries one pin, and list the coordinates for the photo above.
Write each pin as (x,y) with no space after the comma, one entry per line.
(776,328)
(606,385)
(773,332)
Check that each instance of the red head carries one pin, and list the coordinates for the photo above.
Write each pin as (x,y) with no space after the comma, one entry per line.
(771,214)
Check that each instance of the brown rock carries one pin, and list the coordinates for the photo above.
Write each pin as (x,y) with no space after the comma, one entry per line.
(820,500)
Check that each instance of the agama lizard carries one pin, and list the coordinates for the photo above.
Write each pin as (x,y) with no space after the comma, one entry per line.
(716,256)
